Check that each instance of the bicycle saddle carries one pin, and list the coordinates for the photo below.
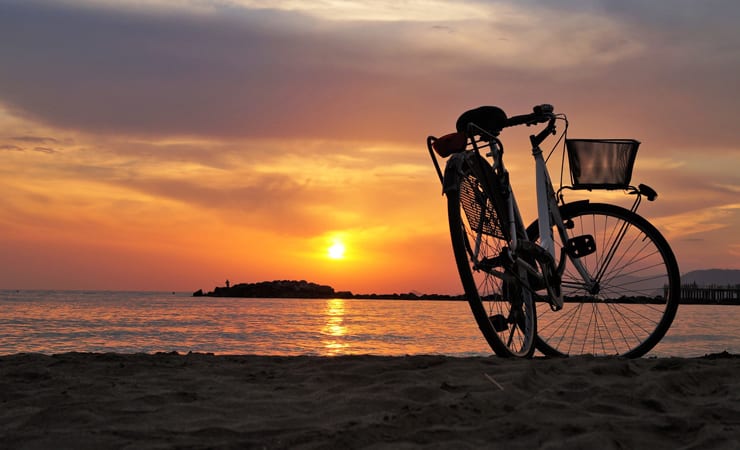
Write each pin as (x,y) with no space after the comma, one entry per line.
(490,118)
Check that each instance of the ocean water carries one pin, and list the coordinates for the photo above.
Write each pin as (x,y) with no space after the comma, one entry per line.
(131,322)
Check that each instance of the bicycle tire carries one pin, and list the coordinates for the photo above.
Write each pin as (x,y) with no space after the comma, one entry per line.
(638,292)
(505,313)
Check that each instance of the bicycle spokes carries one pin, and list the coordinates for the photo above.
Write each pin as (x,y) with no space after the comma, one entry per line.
(621,298)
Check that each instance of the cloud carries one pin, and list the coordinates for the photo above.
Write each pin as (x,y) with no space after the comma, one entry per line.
(229,69)
(34,139)
(256,73)
(728,188)
(378,10)
(298,188)
(700,220)
(47,150)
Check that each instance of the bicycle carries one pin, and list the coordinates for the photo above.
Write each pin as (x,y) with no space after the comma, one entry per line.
(583,278)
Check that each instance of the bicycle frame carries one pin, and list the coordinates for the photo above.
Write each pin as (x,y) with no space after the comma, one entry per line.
(548,213)
(548,216)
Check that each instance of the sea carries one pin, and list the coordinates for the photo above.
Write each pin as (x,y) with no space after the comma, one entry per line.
(50,322)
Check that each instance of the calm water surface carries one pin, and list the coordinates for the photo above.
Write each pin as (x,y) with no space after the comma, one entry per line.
(128,322)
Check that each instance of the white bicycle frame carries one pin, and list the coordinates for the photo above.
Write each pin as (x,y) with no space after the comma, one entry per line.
(542,180)
(548,213)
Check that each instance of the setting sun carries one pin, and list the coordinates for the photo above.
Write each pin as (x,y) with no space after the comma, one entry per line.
(336,251)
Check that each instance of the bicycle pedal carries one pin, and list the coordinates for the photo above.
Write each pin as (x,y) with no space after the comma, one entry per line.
(499,322)
(579,246)
(557,303)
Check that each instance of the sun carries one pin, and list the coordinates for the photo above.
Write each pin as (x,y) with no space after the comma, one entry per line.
(336,251)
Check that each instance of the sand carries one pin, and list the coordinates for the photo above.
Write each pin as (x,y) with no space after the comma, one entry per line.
(82,400)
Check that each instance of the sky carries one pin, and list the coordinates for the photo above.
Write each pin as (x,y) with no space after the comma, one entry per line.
(171,145)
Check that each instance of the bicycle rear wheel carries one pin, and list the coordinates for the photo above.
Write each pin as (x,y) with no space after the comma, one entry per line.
(636,295)
(505,312)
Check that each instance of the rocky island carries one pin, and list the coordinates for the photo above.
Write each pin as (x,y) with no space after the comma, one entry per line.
(306,289)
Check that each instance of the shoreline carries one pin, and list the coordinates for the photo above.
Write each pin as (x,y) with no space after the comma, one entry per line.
(110,400)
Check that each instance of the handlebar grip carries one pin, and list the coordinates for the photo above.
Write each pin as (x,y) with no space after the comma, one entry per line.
(542,113)
(521,120)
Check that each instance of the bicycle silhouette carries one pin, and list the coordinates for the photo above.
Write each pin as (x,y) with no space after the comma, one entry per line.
(584,278)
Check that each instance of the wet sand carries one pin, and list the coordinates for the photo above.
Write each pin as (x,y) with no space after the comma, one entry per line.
(139,401)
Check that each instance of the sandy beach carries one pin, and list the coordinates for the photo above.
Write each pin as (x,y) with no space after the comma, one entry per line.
(138,401)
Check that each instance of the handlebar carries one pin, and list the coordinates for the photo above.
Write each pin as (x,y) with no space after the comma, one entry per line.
(541,114)
(493,119)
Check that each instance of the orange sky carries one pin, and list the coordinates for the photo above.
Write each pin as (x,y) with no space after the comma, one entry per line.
(170,145)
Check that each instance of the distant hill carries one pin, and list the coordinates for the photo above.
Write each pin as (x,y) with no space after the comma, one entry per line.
(716,277)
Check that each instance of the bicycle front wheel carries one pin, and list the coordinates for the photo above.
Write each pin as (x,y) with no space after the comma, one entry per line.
(505,312)
(633,293)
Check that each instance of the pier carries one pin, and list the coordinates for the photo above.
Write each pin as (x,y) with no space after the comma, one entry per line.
(691,294)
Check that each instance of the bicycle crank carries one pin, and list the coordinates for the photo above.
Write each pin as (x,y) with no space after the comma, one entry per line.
(552,283)
(550,274)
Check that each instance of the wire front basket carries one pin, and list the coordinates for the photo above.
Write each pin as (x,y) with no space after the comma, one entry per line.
(601,163)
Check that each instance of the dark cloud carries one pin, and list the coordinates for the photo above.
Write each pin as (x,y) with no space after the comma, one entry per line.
(265,73)
(39,142)
(678,16)
(254,74)
(35,139)
(47,150)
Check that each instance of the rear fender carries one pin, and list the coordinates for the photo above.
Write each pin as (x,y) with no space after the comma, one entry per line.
(472,162)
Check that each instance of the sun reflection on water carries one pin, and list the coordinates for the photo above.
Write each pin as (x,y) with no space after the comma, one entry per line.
(335,330)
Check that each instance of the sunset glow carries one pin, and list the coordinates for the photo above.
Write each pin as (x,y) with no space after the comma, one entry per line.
(172,145)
